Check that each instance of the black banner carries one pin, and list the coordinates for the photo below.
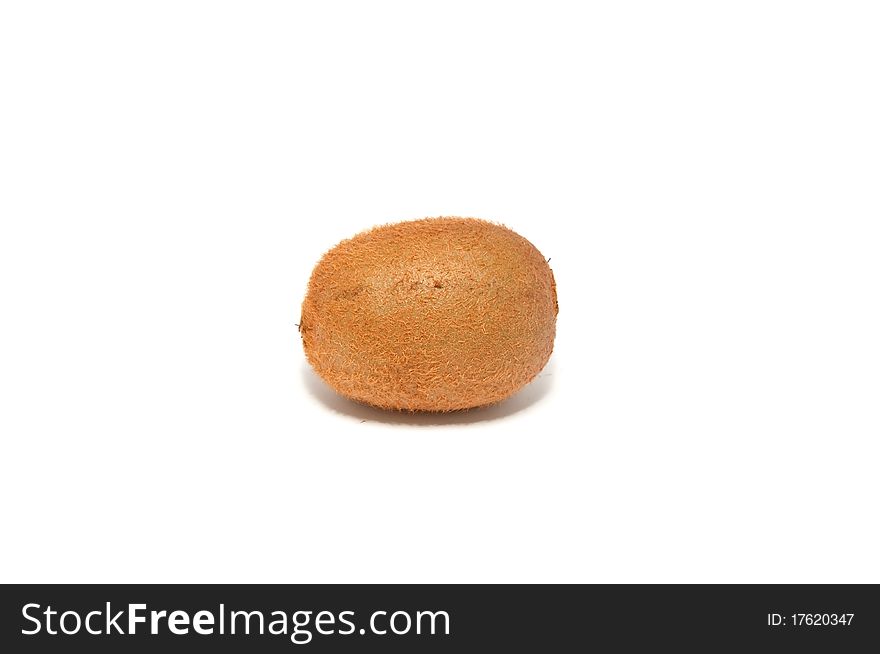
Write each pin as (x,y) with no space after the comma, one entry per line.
(445,618)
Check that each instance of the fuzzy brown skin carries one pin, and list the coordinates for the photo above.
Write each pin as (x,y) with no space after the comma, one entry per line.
(437,314)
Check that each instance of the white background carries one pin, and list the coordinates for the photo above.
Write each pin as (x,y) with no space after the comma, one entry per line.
(705,177)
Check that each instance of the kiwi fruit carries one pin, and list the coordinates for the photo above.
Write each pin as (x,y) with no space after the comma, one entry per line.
(438,314)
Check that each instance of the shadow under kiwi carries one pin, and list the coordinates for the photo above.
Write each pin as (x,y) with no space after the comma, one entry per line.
(526,397)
